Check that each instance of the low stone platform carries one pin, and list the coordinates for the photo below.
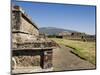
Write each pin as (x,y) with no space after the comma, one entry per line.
(28,70)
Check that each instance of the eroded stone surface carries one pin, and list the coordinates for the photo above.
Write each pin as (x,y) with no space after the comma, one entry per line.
(25,34)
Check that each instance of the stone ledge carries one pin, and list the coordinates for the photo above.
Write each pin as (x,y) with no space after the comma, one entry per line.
(35,69)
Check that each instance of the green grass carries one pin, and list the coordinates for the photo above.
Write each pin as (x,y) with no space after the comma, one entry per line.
(85,50)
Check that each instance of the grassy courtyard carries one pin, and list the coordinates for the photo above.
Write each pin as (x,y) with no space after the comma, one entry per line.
(85,50)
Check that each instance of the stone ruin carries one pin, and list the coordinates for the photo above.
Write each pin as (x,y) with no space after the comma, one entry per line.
(76,36)
(29,49)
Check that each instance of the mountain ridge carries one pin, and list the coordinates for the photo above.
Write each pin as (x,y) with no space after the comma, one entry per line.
(54,30)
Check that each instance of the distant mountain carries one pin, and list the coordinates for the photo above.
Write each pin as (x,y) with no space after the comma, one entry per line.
(53,30)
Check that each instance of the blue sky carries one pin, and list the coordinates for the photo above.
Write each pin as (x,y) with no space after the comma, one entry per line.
(74,17)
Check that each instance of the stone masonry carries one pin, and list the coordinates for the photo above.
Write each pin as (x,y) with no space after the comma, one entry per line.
(27,47)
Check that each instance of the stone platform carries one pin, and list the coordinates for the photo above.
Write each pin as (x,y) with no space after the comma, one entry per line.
(27,70)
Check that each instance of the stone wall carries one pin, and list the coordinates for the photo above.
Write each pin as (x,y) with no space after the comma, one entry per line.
(16,20)
(30,58)
(26,26)
(23,29)
(28,48)
(27,61)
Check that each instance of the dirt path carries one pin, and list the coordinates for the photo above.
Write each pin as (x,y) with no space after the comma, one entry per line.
(63,59)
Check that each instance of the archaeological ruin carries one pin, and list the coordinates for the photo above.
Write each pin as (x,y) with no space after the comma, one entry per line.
(29,49)
(79,36)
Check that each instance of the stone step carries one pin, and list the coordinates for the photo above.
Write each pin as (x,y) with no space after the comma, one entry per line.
(27,70)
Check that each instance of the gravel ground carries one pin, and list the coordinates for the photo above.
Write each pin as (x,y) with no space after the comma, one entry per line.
(64,59)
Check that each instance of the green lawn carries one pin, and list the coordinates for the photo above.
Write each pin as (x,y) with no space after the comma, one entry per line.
(85,50)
